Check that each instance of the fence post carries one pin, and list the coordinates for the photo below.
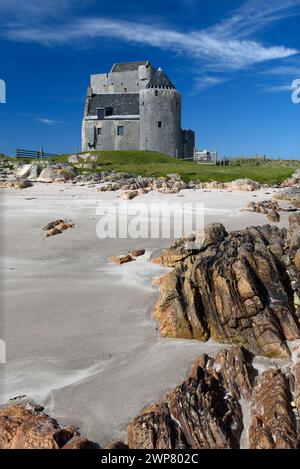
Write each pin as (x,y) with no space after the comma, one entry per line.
(41,152)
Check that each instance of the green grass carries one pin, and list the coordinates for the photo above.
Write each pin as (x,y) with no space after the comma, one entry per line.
(147,163)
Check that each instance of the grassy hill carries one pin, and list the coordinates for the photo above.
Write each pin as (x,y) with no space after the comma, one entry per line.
(147,163)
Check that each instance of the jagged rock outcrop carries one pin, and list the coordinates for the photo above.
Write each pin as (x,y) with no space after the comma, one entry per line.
(202,412)
(210,408)
(238,288)
(26,426)
(273,423)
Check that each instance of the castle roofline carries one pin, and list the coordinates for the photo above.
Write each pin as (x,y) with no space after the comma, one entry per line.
(160,81)
(128,66)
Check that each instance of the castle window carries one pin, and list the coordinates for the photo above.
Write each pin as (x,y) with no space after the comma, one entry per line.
(125,90)
(159,124)
(120,130)
(156,93)
(99,131)
(108,111)
(100,114)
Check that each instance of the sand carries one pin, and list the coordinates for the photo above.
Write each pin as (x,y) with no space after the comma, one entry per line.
(79,334)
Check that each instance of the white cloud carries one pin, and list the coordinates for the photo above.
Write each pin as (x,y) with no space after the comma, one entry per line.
(255,15)
(203,44)
(278,88)
(37,8)
(284,70)
(204,82)
(46,121)
(228,46)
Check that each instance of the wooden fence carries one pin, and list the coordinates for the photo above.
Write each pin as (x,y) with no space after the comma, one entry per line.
(33,154)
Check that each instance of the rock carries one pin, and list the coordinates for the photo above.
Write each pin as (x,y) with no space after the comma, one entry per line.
(119,260)
(85,156)
(52,232)
(243,185)
(297,260)
(52,224)
(251,207)
(116,445)
(292,195)
(80,443)
(16,184)
(233,289)
(137,252)
(273,216)
(128,195)
(26,426)
(201,412)
(272,419)
(57,173)
(35,171)
(235,367)
(23,171)
(73,159)
(56,227)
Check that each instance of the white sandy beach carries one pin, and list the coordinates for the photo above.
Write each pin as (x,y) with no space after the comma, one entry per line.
(79,334)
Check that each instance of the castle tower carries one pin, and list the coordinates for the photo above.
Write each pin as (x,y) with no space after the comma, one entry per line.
(160,116)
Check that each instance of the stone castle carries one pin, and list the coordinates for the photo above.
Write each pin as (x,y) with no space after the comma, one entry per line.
(135,107)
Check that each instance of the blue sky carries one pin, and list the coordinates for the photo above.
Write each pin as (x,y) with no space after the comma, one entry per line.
(233,61)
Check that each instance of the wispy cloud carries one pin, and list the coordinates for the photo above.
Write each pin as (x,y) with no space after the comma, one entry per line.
(284,70)
(230,53)
(46,121)
(278,88)
(34,9)
(203,82)
(228,46)
(255,15)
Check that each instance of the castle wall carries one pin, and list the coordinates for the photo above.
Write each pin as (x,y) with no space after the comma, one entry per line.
(121,82)
(109,139)
(188,143)
(161,105)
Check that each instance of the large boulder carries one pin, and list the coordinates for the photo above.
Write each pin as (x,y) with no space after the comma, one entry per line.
(73,159)
(26,426)
(235,288)
(23,171)
(243,185)
(57,174)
